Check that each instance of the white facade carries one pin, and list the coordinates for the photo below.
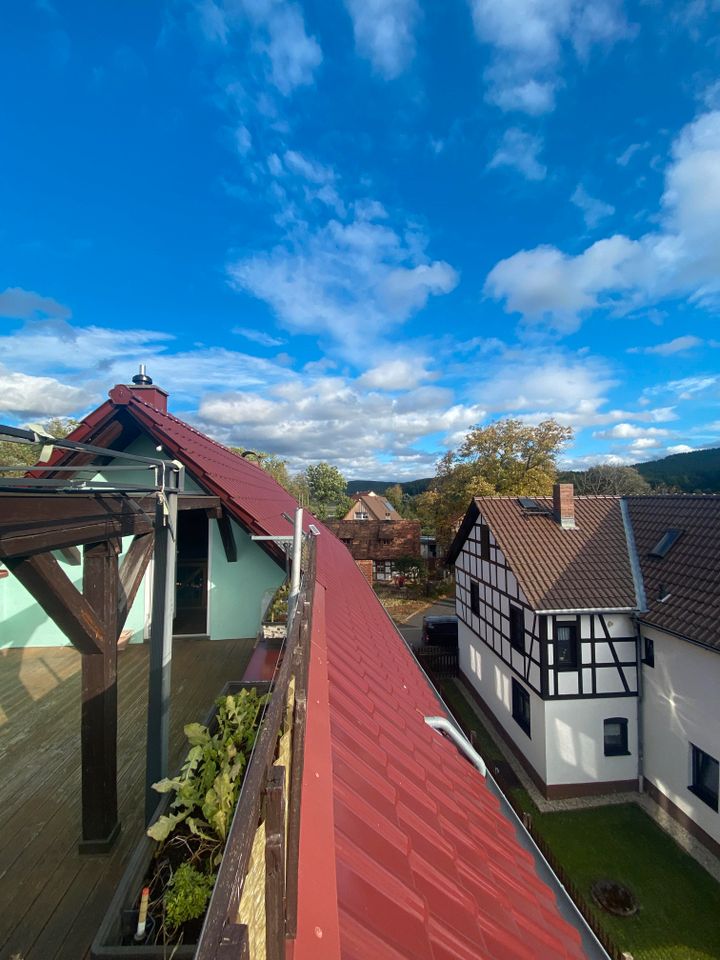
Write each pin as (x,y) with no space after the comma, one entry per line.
(681,709)
(580,696)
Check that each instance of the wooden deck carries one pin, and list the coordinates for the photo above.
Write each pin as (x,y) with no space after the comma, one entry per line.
(52,898)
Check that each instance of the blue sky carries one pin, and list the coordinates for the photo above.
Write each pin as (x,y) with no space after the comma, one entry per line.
(349,231)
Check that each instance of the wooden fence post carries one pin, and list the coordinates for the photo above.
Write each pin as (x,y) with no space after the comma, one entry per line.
(275,864)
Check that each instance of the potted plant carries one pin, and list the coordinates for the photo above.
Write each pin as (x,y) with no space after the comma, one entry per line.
(177,859)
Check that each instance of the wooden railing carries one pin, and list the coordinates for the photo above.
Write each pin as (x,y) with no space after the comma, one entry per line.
(439,663)
(254,904)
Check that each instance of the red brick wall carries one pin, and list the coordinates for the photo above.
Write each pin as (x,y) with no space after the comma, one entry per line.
(366,566)
(378,539)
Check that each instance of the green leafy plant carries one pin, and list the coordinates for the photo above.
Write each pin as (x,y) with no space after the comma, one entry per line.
(187,895)
(208,785)
(191,836)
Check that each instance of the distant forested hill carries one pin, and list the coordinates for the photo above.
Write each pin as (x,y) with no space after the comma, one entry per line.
(411,487)
(694,472)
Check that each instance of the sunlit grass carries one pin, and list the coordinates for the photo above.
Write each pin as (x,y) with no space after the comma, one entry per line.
(679,915)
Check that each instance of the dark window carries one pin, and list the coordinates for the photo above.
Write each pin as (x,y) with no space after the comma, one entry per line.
(484,541)
(517,628)
(705,776)
(521,706)
(649,658)
(566,646)
(475,597)
(616,737)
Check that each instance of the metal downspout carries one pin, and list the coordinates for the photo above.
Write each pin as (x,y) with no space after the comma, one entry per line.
(641,608)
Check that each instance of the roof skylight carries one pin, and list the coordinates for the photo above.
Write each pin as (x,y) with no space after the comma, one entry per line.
(665,543)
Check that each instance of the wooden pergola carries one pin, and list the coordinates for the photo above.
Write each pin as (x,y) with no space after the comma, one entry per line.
(35,523)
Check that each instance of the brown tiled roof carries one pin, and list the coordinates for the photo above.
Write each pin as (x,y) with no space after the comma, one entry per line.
(689,572)
(584,568)
(376,506)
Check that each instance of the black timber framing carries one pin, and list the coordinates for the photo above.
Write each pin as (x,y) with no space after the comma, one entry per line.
(491,620)
(31,526)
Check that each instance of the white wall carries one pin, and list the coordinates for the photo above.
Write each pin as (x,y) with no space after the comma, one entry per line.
(681,705)
(575,740)
(491,677)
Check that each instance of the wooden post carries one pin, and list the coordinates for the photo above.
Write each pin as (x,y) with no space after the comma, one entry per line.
(98,734)
(275,864)
(163,603)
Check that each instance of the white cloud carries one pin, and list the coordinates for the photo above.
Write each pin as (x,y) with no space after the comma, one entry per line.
(308,169)
(384,32)
(394,375)
(532,381)
(19,304)
(680,258)
(678,345)
(344,422)
(629,431)
(350,281)
(279,36)
(519,150)
(680,448)
(528,38)
(258,336)
(593,210)
(626,156)
(243,140)
(24,395)
(685,388)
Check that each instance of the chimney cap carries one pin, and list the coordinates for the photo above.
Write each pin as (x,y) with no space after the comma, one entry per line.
(141,378)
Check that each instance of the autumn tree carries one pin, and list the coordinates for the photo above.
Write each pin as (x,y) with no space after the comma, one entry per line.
(27,454)
(506,457)
(608,479)
(396,497)
(327,489)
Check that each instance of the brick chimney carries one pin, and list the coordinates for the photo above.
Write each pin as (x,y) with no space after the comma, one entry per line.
(564,505)
(142,388)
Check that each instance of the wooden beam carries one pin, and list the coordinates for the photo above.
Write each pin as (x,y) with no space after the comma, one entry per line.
(227,537)
(35,523)
(200,501)
(275,864)
(71,555)
(43,577)
(98,726)
(132,570)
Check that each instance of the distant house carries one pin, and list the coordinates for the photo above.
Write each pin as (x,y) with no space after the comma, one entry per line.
(376,545)
(588,629)
(369,505)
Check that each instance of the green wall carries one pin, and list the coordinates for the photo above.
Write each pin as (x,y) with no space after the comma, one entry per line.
(238,592)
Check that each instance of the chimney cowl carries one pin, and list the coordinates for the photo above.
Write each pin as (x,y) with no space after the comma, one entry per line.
(564,505)
(141,378)
(141,388)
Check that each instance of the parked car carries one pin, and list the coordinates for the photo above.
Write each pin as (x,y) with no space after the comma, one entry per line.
(440,632)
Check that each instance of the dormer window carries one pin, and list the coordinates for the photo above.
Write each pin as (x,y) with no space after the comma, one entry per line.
(361,515)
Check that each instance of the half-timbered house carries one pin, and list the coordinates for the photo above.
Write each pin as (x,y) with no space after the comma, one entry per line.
(588,630)
(545,598)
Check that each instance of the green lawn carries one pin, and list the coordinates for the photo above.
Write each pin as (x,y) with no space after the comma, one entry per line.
(679,916)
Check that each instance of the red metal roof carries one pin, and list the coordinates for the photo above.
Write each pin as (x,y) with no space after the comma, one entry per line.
(405,853)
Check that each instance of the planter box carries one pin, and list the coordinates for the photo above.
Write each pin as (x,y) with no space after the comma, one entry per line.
(273,634)
(120,920)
